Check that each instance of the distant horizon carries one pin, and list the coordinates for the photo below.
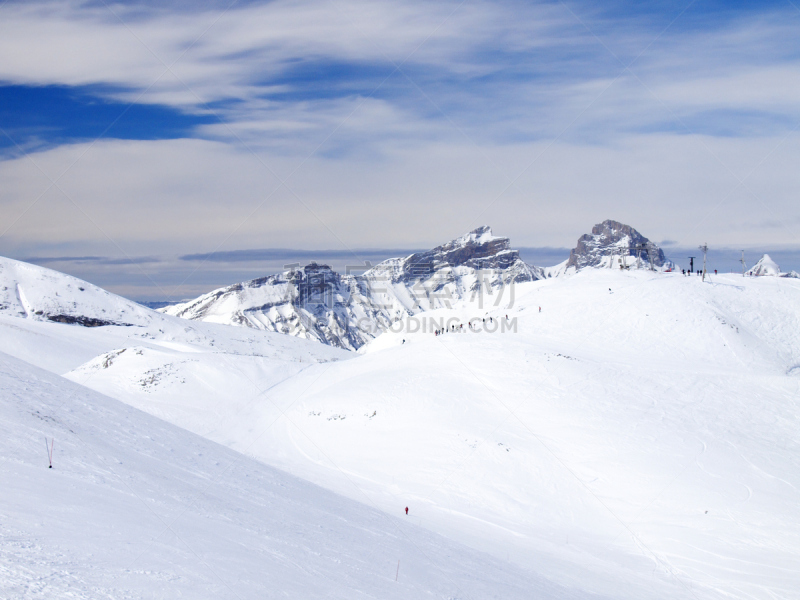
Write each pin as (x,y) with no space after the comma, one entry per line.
(170,279)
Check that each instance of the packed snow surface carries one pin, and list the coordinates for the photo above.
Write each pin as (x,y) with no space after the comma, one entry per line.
(631,434)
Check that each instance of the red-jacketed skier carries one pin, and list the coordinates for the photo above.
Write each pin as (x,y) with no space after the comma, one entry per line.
(406,510)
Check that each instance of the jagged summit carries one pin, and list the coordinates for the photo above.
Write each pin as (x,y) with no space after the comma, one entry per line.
(612,238)
(347,311)
(479,249)
(478,243)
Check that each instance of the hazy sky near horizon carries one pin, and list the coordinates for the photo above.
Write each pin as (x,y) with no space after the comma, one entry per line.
(134,131)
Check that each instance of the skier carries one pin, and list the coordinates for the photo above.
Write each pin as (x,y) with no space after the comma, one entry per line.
(540,309)
(406,510)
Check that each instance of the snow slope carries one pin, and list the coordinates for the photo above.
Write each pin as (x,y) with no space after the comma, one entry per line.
(136,508)
(636,438)
(209,371)
(58,322)
(41,294)
(588,445)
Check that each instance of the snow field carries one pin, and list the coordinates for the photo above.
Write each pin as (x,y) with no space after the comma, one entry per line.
(137,508)
(624,416)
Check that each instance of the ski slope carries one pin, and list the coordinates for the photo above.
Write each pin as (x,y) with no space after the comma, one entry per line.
(137,508)
(634,439)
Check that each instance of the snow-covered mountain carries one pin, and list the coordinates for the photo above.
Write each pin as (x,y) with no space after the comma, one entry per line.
(765,266)
(768,267)
(347,311)
(42,294)
(613,244)
(76,321)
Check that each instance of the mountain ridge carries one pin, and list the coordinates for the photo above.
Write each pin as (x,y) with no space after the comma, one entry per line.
(349,310)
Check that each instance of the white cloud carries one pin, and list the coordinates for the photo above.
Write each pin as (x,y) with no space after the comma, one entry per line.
(218,54)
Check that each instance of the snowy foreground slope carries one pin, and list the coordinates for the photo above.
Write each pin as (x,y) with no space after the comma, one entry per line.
(137,508)
(637,438)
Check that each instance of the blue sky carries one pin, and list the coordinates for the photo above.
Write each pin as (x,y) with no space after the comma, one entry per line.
(141,129)
(51,115)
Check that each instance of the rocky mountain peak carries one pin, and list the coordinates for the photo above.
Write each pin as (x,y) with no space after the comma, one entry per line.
(612,238)
(478,249)
(347,311)
(313,267)
(481,240)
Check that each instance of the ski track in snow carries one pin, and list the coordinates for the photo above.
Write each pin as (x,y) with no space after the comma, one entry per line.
(22,301)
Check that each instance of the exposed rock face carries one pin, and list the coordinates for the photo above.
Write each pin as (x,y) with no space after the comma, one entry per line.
(84,321)
(612,238)
(347,311)
(479,249)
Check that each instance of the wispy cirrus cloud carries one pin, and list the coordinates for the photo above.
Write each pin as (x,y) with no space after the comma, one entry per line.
(97,260)
(288,255)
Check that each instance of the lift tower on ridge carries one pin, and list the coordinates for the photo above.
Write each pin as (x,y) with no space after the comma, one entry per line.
(704,248)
